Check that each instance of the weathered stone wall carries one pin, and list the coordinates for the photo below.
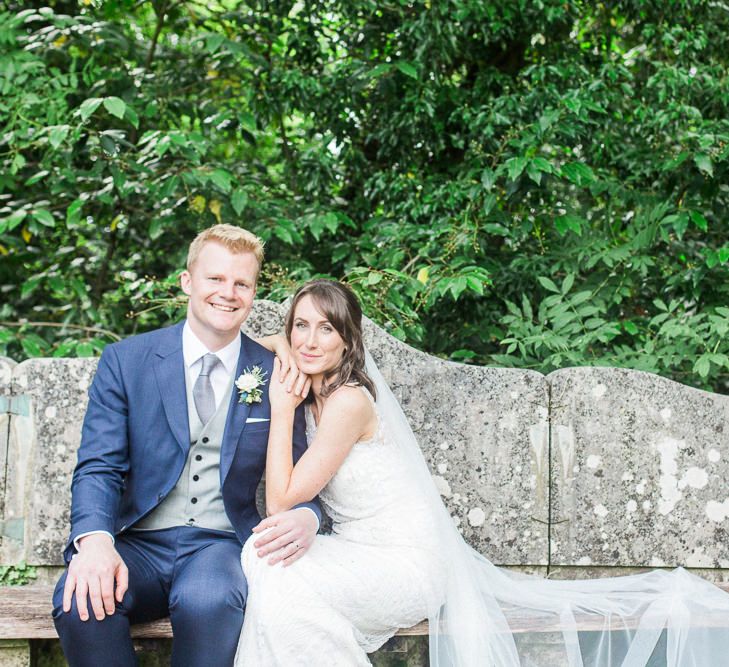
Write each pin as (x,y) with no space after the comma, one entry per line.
(42,454)
(6,373)
(640,471)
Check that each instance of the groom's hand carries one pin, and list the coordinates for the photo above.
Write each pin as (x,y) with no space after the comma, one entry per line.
(291,534)
(94,571)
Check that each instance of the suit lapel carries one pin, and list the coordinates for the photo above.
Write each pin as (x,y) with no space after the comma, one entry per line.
(237,412)
(169,370)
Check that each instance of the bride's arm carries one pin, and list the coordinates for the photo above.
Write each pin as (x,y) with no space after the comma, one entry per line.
(347,417)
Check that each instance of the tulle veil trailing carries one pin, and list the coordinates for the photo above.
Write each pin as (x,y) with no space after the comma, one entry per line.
(482,615)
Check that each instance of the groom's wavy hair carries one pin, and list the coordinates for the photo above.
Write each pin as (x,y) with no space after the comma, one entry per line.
(340,306)
(236,239)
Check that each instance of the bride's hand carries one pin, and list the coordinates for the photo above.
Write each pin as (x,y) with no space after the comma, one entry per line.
(278,344)
(280,394)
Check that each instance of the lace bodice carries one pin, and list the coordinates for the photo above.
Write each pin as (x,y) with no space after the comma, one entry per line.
(370,490)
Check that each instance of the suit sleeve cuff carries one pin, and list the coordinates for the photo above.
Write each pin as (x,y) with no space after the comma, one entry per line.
(93,532)
(306,507)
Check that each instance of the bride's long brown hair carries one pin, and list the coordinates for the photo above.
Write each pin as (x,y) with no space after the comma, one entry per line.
(340,306)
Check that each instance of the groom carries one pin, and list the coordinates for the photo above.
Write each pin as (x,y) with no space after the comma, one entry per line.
(163,494)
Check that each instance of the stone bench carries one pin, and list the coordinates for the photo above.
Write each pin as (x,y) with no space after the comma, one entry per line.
(584,472)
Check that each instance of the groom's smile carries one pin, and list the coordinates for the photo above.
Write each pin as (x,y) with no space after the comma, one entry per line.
(221,286)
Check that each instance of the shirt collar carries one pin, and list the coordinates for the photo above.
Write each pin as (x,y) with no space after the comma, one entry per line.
(193,349)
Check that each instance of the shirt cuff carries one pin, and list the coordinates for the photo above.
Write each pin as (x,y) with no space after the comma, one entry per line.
(93,532)
(318,525)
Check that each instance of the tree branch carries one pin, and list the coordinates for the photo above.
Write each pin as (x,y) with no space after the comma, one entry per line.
(61,325)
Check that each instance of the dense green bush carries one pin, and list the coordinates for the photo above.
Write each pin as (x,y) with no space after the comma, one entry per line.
(533,184)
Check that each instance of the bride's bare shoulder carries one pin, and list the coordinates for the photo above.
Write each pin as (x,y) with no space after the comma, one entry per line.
(349,402)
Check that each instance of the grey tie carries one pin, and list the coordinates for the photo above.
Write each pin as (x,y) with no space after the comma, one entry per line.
(202,392)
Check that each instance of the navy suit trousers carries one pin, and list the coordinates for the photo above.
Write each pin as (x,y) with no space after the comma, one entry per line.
(192,575)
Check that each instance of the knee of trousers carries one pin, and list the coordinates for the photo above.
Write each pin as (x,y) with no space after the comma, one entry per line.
(221,600)
(68,623)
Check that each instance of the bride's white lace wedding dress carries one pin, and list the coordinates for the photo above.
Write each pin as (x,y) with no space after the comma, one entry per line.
(395,557)
(379,569)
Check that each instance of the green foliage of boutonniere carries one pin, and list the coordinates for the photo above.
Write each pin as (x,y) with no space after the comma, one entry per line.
(249,385)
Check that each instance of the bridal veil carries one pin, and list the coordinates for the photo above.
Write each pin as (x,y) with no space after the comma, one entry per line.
(656,618)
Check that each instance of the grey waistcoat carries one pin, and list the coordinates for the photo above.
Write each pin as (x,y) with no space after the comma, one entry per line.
(197,499)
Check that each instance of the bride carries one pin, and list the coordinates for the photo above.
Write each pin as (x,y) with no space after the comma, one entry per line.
(394,556)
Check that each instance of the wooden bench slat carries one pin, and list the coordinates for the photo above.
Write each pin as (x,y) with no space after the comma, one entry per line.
(25,613)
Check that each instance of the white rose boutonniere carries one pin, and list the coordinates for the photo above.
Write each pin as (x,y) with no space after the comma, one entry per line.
(249,385)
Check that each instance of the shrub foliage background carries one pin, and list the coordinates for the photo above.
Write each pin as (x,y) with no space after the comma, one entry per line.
(533,184)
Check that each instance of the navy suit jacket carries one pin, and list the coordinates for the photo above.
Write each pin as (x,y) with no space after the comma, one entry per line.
(136,437)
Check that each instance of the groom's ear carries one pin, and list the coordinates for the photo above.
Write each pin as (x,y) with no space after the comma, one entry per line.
(185,282)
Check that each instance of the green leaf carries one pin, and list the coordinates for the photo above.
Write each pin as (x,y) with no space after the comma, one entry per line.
(284,234)
(515,166)
(248,121)
(548,119)
(132,117)
(702,366)
(57,135)
(73,213)
(547,283)
(239,200)
(30,347)
(699,220)
(213,42)
(44,217)
(222,179)
(526,307)
(37,177)
(543,165)
(29,286)
(169,187)
(463,354)
(458,286)
(115,106)
(373,278)
(407,69)
(534,173)
(379,70)
(12,221)
(578,173)
(108,144)
(475,285)
(156,227)
(88,107)
(85,349)
(675,162)
(565,223)
(488,178)
(331,221)
(567,283)
(703,162)
(681,224)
